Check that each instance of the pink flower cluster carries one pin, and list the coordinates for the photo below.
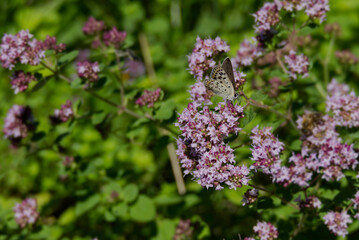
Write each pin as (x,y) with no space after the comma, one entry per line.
(250,196)
(20,81)
(199,94)
(50,44)
(88,70)
(202,55)
(247,53)
(184,230)
(315,9)
(26,212)
(337,222)
(343,104)
(63,114)
(148,98)
(266,150)
(346,57)
(20,48)
(110,37)
(297,64)
(355,201)
(266,231)
(266,17)
(201,148)
(18,122)
(310,202)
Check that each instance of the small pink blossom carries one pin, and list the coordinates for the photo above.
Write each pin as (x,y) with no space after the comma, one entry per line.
(18,122)
(337,222)
(50,44)
(93,26)
(199,94)
(114,37)
(202,55)
(63,114)
(26,212)
(20,48)
(297,64)
(250,196)
(88,70)
(247,53)
(317,9)
(266,17)
(148,98)
(310,202)
(68,161)
(266,231)
(20,81)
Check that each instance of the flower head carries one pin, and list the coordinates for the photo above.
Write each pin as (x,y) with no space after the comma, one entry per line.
(266,231)
(148,98)
(26,212)
(50,44)
(247,53)
(317,9)
(297,64)
(20,81)
(114,37)
(250,196)
(88,70)
(63,114)
(202,55)
(266,17)
(20,48)
(93,26)
(346,57)
(337,222)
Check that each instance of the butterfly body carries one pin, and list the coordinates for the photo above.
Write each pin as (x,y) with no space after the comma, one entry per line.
(221,81)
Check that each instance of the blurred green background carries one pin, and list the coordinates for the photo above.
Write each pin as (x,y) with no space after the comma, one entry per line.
(131,160)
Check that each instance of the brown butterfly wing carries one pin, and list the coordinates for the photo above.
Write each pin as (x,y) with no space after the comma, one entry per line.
(227,66)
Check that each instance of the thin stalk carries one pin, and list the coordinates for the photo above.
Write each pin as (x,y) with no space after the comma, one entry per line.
(327,58)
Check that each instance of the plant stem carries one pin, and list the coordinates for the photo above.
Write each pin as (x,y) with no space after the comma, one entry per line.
(326,60)
(102,98)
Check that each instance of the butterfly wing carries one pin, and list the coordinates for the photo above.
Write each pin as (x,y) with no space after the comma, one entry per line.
(227,66)
(220,84)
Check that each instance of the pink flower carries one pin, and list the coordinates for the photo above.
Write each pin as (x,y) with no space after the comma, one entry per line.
(297,64)
(50,44)
(134,68)
(199,94)
(266,231)
(68,161)
(310,202)
(114,37)
(250,196)
(266,17)
(266,150)
(343,104)
(148,98)
(317,9)
(88,70)
(337,222)
(26,212)
(93,26)
(63,114)
(201,148)
(20,81)
(247,53)
(18,123)
(20,48)
(291,5)
(202,55)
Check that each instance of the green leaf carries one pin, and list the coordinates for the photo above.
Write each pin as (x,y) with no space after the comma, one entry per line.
(120,210)
(77,83)
(165,229)
(100,83)
(88,204)
(109,217)
(98,117)
(61,136)
(296,145)
(259,95)
(40,84)
(144,209)
(166,110)
(249,114)
(265,203)
(38,136)
(68,57)
(130,192)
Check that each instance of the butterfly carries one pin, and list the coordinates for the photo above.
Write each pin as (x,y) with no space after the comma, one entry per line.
(221,81)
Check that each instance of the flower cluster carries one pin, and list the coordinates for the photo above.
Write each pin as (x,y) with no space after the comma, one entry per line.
(266,231)
(297,64)
(20,81)
(184,230)
(346,57)
(88,70)
(202,55)
(20,48)
(18,122)
(134,68)
(310,202)
(250,196)
(148,98)
(337,222)
(50,44)
(92,26)
(355,201)
(111,37)
(344,105)
(199,94)
(26,212)
(114,37)
(266,17)
(63,114)
(201,149)
(68,161)
(247,53)
(266,150)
